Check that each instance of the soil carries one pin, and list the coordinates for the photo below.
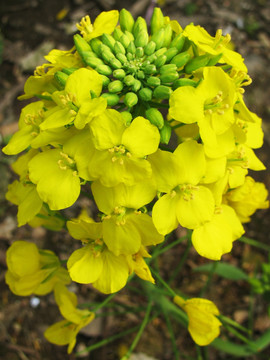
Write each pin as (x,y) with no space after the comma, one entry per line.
(29,30)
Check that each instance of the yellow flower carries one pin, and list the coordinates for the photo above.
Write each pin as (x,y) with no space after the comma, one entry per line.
(64,332)
(33,271)
(203,324)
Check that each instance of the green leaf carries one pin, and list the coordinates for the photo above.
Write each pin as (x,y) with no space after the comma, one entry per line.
(224,270)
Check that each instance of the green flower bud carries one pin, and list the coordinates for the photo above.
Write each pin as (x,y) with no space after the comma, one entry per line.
(178,42)
(119,74)
(93,94)
(141,39)
(167,35)
(104,70)
(81,44)
(130,56)
(162,92)
(124,40)
(150,48)
(95,45)
(137,85)
(129,80)
(117,34)
(214,60)
(92,61)
(61,78)
(108,40)
(127,117)
(126,20)
(170,53)
(106,53)
(129,35)
(167,68)
(161,60)
(153,81)
(150,69)
(69,71)
(105,80)
(122,58)
(116,64)
(165,133)
(169,77)
(155,117)
(139,52)
(184,82)
(145,94)
(140,24)
(119,48)
(112,99)
(140,75)
(151,58)
(181,59)
(131,48)
(158,38)
(160,52)
(196,63)
(157,20)
(131,99)
(115,86)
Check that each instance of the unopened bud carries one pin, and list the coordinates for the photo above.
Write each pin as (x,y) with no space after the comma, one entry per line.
(122,58)
(129,35)
(105,80)
(141,39)
(119,48)
(184,82)
(158,38)
(153,81)
(104,70)
(162,92)
(127,117)
(126,20)
(108,40)
(91,60)
(119,74)
(115,86)
(81,44)
(181,59)
(196,63)
(178,42)
(150,48)
(151,58)
(214,60)
(170,53)
(61,78)
(69,71)
(168,68)
(155,117)
(112,99)
(160,52)
(117,34)
(131,99)
(150,69)
(124,40)
(161,60)
(140,24)
(140,75)
(139,52)
(131,48)
(129,80)
(157,20)
(145,94)
(137,85)
(106,53)
(169,77)
(165,133)
(95,45)
(116,64)
(167,35)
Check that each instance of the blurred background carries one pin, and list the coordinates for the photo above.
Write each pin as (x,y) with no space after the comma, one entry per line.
(29,30)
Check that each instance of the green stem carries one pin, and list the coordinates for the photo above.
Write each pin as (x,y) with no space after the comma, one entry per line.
(108,299)
(210,277)
(181,262)
(168,247)
(163,282)
(170,329)
(241,337)
(254,243)
(226,320)
(139,333)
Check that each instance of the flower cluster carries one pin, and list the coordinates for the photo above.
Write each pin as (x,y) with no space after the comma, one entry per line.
(153,126)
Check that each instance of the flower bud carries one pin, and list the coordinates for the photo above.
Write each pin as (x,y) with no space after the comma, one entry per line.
(153,81)
(170,53)
(196,63)
(122,58)
(126,20)
(61,78)
(167,35)
(165,133)
(119,74)
(105,80)
(150,69)
(108,40)
(181,59)
(112,99)
(178,42)
(140,24)
(155,117)
(81,44)
(140,75)
(129,35)
(117,34)
(130,56)
(124,40)
(169,77)
(162,92)
(139,52)
(131,99)
(160,52)
(104,70)
(151,58)
(157,20)
(129,80)
(141,39)
(95,45)
(91,60)
(115,86)
(69,71)
(116,64)
(119,48)
(127,117)
(214,60)
(145,94)
(106,53)
(168,68)
(161,60)
(184,82)
(150,48)
(131,48)
(158,38)
(137,85)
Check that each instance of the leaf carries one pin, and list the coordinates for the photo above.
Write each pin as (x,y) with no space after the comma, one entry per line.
(224,270)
